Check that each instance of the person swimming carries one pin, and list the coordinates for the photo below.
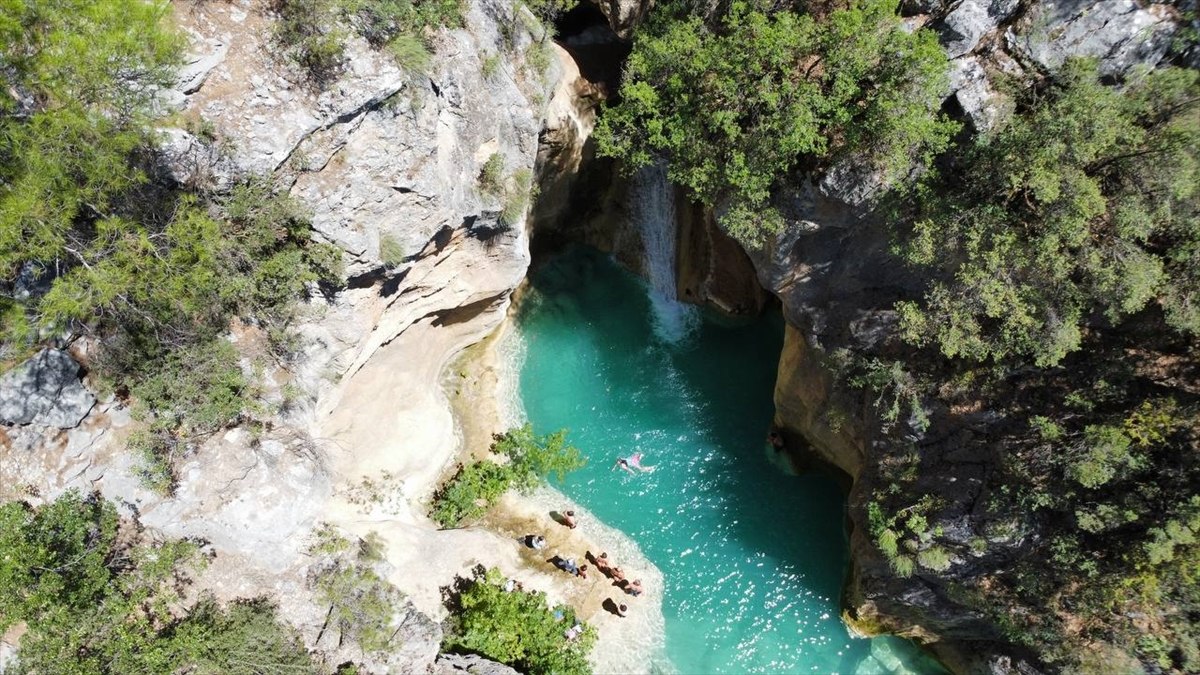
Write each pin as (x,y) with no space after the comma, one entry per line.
(632,462)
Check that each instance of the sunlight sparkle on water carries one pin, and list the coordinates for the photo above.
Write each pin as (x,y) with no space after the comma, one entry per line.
(752,558)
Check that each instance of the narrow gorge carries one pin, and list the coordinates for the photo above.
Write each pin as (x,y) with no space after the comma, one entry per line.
(478,219)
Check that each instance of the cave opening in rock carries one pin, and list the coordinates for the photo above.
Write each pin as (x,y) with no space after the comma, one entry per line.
(600,54)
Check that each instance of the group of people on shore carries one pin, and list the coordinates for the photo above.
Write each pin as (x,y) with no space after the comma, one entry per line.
(614,573)
(601,562)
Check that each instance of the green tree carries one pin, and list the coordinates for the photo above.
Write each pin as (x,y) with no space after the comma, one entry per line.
(1084,202)
(54,557)
(97,600)
(517,628)
(525,462)
(735,104)
(533,458)
(78,85)
(361,603)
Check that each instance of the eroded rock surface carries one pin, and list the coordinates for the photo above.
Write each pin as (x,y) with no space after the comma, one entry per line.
(469,664)
(377,156)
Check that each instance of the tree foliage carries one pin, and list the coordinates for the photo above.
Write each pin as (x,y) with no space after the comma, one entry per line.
(97,602)
(525,460)
(517,628)
(78,86)
(738,102)
(90,244)
(361,603)
(1085,203)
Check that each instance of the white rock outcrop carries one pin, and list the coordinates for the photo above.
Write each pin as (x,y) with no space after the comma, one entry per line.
(966,24)
(1119,33)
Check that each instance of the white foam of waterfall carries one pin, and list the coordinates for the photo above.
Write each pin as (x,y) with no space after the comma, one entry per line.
(652,210)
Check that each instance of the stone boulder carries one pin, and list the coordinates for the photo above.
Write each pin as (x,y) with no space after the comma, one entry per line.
(973,91)
(966,24)
(456,664)
(45,390)
(1119,33)
(624,15)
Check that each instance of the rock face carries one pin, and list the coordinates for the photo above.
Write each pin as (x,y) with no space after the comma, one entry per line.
(45,390)
(460,664)
(711,268)
(624,15)
(832,271)
(387,163)
(965,25)
(1120,33)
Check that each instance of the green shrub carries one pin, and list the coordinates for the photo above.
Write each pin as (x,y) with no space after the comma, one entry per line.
(476,487)
(1105,452)
(38,544)
(537,57)
(516,199)
(491,175)
(311,30)
(194,390)
(382,21)
(361,603)
(155,452)
(411,53)
(934,558)
(390,250)
(470,493)
(243,638)
(490,66)
(517,628)
(902,565)
(308,31)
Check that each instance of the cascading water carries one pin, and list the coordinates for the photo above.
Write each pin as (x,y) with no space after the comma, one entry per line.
(652,210)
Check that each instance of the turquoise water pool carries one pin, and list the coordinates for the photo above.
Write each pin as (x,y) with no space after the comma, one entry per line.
(753,558)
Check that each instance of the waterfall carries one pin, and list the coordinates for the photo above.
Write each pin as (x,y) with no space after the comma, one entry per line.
(652,210)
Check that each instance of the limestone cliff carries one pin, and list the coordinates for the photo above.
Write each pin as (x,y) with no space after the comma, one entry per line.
(387,161)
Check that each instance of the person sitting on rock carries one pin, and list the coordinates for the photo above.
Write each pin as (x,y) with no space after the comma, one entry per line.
(600,562)
(634,587)
(775,439)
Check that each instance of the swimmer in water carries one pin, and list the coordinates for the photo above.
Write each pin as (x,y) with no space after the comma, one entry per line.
(632,462)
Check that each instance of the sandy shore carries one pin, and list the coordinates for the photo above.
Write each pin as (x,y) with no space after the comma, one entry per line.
(481,388)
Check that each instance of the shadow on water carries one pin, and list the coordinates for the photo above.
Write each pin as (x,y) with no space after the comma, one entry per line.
(753,558)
